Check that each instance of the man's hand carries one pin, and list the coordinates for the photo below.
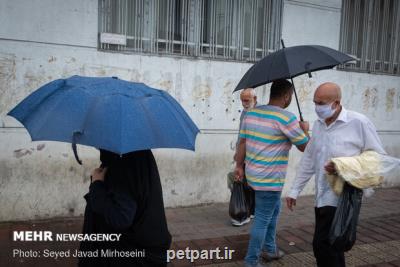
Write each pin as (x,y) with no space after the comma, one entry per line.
(330,168)
(305,126)
(239,174)
(290,202)
(98,174)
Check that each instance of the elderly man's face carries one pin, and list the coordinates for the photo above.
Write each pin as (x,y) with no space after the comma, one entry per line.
(324,97)
(327,100)
(248,101)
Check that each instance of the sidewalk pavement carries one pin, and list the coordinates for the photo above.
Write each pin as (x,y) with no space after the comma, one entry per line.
(208,227)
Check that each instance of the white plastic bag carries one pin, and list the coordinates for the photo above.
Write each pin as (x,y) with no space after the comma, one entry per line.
(369,169)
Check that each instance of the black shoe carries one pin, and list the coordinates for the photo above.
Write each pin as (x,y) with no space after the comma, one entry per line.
(265,255)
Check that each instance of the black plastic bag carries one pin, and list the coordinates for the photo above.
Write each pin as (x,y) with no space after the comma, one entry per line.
(238,208)
(342,234)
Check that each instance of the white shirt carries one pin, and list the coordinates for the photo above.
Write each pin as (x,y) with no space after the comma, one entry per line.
(350,135)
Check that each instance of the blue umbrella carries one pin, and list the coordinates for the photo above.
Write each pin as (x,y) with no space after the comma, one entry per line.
(107,113)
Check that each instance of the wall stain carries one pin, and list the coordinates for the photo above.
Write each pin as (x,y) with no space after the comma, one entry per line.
(201,91)
(178,87)
(304,91)
(101,72)
(7,67)
(7,78)
(398,100)
(71,60)
(166,85)
(135,76)
(19,153)
(366,99)
(390,94)
(370,98)
(374,98)
(52,59)
(40,147)
(227,97)
(32,80)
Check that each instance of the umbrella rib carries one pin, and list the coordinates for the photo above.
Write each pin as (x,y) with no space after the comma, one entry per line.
(287,64)
(183,112)
(49,113)
(335,58)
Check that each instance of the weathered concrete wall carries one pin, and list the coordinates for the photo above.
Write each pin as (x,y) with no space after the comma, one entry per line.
(43,41)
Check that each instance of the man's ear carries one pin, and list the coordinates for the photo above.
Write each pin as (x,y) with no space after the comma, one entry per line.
(255,98)
(288,96)
(337,102)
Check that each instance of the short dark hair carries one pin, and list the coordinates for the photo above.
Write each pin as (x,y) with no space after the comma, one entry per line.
(279,88)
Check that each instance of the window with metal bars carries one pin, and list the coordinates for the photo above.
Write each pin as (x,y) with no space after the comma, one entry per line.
(241,30)
(370,31)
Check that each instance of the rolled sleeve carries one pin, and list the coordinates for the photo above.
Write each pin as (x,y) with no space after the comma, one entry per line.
(293,132)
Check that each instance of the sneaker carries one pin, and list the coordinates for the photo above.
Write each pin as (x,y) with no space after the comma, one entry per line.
(252,216)
(237,223)
(265,255)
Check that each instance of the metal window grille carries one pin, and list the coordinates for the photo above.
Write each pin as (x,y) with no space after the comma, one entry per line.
(243,30)
(370,31)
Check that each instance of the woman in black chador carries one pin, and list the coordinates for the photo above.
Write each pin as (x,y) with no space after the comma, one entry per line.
(125,197)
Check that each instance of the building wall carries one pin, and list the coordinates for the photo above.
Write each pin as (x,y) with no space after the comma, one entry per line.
(41,41)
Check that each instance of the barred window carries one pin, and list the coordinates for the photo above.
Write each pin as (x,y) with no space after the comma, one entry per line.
(240,30)
(370,31)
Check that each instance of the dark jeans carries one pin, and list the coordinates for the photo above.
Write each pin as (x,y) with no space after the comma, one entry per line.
(326,255)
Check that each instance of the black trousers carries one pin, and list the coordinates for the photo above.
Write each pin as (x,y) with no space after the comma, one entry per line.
(325,254)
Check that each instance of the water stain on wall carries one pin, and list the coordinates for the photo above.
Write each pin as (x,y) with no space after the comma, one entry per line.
(390,94)
(370,98)
(40,147)
(305,89)
(165,85)
(227,97)
(374,98)
(19,153)
(178,87)
(52,59)
(7,77)
(34,79)
(71,60)
(398,100)
(201,90)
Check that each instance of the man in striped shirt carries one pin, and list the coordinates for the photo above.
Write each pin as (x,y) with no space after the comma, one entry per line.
(266,136)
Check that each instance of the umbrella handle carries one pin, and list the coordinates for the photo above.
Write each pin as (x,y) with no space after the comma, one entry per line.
(74,148)
(297,101)
(283,43)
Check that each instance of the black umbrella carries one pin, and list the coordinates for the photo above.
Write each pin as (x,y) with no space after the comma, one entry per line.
(290,62)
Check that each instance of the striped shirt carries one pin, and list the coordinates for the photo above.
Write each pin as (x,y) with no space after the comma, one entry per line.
(270,132)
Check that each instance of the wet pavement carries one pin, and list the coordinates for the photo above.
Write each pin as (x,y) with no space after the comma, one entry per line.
(208,227)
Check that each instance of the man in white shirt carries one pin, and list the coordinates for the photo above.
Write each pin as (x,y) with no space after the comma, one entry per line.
(338,132)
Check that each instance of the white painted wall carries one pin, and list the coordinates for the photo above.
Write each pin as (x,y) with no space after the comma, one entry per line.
(45,40)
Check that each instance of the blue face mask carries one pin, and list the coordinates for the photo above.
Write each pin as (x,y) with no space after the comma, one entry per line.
(324,111)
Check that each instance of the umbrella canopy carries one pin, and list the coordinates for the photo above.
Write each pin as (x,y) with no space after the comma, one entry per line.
(290,62)
(106,113)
